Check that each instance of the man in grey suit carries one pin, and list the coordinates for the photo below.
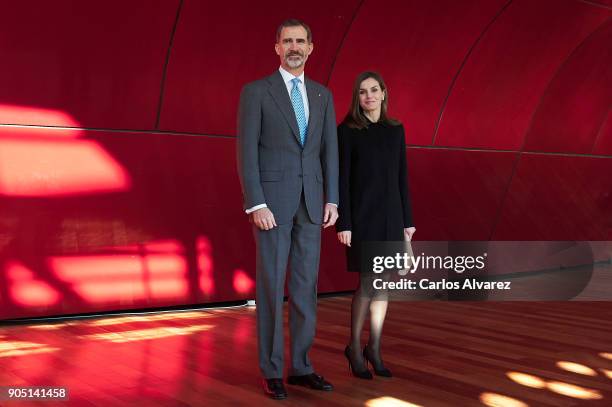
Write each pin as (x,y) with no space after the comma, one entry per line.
(288,167)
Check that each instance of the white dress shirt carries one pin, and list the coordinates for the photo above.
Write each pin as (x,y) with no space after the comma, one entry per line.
(287,78)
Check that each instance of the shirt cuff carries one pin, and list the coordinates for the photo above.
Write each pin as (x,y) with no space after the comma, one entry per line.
(330,203)
(254,208)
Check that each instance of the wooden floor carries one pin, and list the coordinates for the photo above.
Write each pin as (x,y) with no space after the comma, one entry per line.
(442,354)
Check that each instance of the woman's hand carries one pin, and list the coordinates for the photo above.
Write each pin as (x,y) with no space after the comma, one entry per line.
(408,232)
(345,237)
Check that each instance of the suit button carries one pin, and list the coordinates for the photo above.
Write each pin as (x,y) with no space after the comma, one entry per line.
(300,175)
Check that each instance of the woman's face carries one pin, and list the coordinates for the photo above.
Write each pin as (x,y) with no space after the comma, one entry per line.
(370,95)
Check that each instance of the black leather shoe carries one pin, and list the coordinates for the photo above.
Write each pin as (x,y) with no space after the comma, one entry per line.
(274,388)
(377,365)
(313,381)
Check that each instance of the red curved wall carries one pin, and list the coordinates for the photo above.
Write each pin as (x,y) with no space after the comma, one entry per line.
(118,187)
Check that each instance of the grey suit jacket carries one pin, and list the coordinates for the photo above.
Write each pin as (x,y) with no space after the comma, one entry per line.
(272,165)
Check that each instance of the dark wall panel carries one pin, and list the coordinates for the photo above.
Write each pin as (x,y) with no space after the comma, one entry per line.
(603,142)
(418,48)
(577,100)
(457,194)
(220,46)
(500,87)
(555,197)
(99,62)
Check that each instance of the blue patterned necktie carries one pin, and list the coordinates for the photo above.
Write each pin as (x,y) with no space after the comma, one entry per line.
(298,108)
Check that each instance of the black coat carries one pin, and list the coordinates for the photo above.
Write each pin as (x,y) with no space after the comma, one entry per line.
(374,198)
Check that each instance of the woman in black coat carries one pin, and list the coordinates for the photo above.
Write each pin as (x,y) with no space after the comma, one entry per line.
(374,206)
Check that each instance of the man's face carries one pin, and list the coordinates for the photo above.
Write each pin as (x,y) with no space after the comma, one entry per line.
(293,47)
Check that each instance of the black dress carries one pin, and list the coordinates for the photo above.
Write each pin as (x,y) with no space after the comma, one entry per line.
(374,198)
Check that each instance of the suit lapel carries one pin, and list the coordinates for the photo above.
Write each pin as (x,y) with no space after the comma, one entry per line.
(314,107)
(279,93)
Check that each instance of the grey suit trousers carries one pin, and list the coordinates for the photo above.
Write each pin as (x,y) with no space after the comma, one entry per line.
(300,242)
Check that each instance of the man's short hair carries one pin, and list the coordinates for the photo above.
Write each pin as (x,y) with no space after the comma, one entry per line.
(294,22)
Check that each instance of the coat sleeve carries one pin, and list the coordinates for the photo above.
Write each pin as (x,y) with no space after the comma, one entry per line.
(329,152)
(249,131)
(344,209)
(403,182)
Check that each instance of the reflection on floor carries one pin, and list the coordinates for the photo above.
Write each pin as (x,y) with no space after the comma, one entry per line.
(441,353)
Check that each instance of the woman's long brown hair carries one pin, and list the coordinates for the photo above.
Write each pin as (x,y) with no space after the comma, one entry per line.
(355,118)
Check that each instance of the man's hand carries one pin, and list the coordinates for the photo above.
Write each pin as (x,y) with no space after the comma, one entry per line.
(345,237)
(263,219)
(408,232)
(330,216)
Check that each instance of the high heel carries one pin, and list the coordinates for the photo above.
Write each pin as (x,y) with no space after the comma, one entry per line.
(382,371)
(362,374)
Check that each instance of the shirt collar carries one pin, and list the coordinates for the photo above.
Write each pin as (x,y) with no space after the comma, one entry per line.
(287,76)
